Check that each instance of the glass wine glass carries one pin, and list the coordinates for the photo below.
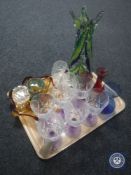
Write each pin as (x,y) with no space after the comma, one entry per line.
(75,114)
(97,99)
(60,74)
(96,102)
(41,104)
(80,86)
(51,126)
(51,122)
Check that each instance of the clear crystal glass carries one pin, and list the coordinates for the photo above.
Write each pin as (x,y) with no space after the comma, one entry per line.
(51,126)
(79,88)
(20,95)
(60,74)
(59,66)
(75,112)
(96,102)
(41,104)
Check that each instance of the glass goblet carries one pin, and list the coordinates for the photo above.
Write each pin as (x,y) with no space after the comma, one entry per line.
(80,86)
(59,73)
(74,116)
(51,126)
(41,104)
(96,102)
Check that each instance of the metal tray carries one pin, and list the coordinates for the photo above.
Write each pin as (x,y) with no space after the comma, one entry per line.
(46,150)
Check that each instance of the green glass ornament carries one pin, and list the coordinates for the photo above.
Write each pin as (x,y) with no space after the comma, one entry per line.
(35,85)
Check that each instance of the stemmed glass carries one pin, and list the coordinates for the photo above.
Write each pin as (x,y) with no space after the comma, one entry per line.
(51,122)
(41,104)
(52,127)
(96,102)
(74,115)
(60,74)
(81,86)
(97,99)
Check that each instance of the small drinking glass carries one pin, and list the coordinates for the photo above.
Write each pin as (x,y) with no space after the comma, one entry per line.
(61,97)
(60,74)
(80,86)
(41,104)
(51,126)
(75,111)
(59,66)
(96,102)
(74,116)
